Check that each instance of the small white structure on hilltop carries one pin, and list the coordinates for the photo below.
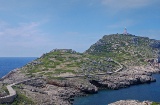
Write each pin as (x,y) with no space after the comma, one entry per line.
(125,31)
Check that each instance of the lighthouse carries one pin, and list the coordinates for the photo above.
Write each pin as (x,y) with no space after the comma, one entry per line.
(125,31)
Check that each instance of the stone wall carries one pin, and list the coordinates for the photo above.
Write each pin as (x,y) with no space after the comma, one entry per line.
(12,93)
(9,98)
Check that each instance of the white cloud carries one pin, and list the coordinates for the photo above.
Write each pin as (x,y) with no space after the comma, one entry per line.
(117,5)
(26,37)
(23,30)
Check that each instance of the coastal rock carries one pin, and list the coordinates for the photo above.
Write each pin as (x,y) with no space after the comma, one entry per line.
(124,79)
(120,82)
(36,83)
(13,77)
(82,85)
(131,102)
(61,92)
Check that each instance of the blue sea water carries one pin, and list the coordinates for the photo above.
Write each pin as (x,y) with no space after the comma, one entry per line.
(138,92)
(9,63)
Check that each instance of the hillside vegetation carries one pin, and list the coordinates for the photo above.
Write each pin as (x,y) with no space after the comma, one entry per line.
(127,49)
(61,63)
(115,61)
(101,57)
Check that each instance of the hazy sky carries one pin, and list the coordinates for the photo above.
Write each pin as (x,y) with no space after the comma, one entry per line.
(34,27)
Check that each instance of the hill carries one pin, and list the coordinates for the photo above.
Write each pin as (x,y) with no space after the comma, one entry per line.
(106,55)
(127,49)
(61,63)
(115,61)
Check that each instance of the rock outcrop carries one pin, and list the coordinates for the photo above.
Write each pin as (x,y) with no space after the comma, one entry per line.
(125,78)
(61,92)
(131,102)
(81,84)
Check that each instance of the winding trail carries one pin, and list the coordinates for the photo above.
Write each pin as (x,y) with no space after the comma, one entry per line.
(121,66)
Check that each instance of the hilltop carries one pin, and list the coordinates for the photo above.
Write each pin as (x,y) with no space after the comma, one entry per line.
(127,49)
(108,54)
(115,61)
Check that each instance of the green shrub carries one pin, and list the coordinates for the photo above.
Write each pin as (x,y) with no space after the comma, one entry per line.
(33,71)
(155,103)
(59,71)
(21,99)
(5,89)
(57,78)
(57,63)
(48,73)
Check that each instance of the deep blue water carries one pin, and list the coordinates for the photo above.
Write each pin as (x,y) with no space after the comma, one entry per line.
(138,92)
(9,63)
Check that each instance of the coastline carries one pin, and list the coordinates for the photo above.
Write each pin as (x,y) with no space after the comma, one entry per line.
(131,102)
(147,72)
(65,91)
(8,74)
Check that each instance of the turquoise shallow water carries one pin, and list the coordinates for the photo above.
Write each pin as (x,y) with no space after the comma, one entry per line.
(138,92)
(9,63)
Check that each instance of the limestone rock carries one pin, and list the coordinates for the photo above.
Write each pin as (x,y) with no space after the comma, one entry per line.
(131,102)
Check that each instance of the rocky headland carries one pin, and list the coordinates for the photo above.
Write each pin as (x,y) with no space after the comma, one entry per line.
(114,62)
(62,92)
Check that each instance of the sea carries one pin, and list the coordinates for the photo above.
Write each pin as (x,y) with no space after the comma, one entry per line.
(140,92)
(9,63)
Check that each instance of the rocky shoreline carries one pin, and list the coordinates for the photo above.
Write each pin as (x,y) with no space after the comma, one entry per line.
(62,92)
(131,76)
(131,102)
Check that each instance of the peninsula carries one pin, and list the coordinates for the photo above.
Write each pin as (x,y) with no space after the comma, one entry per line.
(113,62)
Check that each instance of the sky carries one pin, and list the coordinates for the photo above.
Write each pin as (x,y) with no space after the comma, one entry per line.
(29,28)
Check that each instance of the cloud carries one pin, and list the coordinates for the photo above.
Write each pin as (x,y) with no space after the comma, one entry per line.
(117,5)
(26,37)
(23,30)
